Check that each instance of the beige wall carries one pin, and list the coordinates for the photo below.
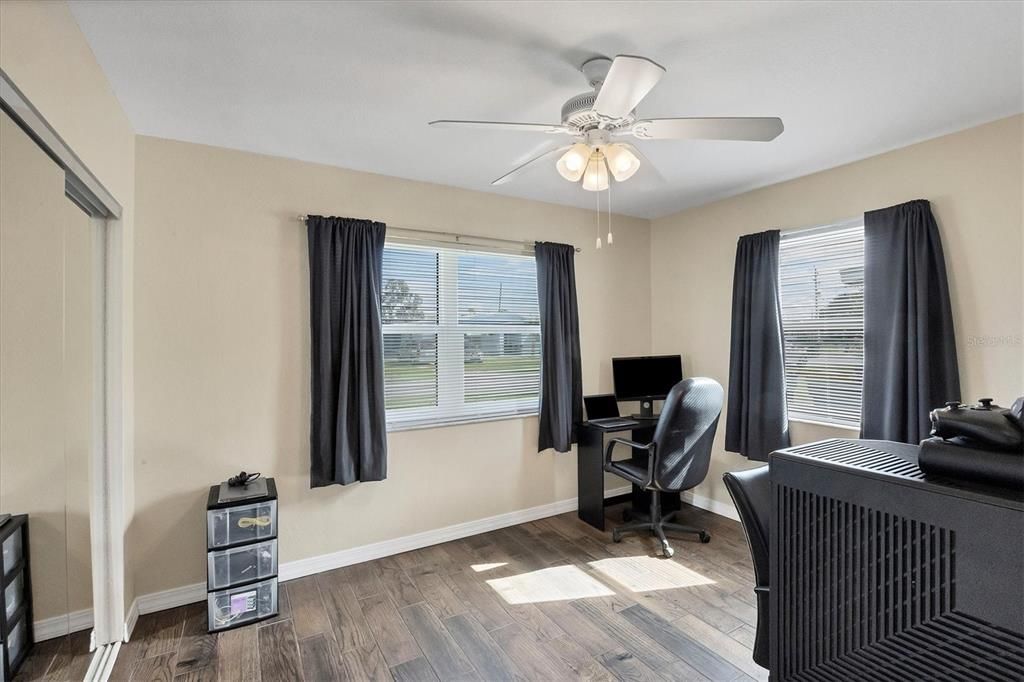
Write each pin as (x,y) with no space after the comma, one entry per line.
(222,348)
(43,51)
(974,181)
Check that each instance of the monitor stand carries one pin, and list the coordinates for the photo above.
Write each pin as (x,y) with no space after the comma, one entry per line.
(646,410)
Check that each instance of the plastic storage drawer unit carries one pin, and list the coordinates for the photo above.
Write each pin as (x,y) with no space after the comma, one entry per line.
(241,556)
(240,565)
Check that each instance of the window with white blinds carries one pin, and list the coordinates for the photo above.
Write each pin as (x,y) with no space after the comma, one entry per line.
(461,335)
(821,287)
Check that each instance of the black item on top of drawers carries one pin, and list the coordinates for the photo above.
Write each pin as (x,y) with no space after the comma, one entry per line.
(16,617)
(241,562)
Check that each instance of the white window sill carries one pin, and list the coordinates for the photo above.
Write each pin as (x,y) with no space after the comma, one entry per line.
(831,425)
(395,428)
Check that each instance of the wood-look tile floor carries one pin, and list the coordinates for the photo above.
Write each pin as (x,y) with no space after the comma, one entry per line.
(549,600)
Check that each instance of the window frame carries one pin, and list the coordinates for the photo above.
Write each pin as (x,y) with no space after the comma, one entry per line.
(826,417)
(451,408)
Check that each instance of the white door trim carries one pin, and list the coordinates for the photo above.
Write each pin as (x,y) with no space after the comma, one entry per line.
(106,514)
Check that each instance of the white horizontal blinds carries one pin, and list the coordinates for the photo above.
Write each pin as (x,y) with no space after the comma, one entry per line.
(409,315)
(821,278)
(461,334)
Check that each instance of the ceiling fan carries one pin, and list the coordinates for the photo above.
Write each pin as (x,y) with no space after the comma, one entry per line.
(599,121)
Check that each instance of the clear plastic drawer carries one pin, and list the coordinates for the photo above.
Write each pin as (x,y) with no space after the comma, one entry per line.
(12,551)
(14,595)
(241,564)
(16,641)
(239,605)
(246,523)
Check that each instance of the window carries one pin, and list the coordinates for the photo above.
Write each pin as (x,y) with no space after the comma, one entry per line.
(821,286)
(461,335)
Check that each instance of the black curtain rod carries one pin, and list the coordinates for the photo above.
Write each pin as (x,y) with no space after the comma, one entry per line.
(457,236)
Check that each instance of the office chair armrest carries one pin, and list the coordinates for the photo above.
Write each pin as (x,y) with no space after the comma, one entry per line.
(649,447)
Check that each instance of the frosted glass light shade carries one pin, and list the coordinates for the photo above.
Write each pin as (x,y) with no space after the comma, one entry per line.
(595,178)
(574,162)
(622,162)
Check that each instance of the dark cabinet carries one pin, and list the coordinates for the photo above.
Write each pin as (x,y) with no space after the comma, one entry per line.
(16,618)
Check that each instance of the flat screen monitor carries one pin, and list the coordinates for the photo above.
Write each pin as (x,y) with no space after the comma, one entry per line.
(646,379)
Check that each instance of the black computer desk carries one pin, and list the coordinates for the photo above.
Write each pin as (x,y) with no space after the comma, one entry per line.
(590,471)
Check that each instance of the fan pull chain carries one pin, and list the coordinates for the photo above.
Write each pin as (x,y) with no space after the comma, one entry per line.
(598,219)
(609,212)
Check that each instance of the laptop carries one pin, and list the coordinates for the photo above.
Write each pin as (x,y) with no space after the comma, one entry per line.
(603,410)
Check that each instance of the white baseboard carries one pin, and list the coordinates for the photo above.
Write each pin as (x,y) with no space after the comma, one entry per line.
(58,626)
(714,506)
(290,570)
(377,550)
(172,598)
(131,619)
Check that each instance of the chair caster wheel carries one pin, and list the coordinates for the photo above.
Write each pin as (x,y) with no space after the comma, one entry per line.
(705,538)
(667,551)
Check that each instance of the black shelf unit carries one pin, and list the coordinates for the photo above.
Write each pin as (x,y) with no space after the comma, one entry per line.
(241,546)
(16,615)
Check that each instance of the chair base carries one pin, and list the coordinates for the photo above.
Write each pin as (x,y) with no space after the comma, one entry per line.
(657,525)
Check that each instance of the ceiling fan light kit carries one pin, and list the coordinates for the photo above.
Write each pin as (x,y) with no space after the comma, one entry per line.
(592,163)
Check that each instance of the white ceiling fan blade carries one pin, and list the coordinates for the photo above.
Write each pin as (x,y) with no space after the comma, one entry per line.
(749,129)
(519,169)
(502,125)
(628,81)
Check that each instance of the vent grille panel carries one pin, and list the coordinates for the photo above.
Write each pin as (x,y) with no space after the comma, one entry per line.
(867,594)
(854,454)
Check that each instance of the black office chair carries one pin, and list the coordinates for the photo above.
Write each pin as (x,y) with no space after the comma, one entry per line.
(678,457)
(752,496)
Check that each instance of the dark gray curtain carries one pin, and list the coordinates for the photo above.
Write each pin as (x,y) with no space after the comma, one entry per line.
(561,377)
(756,421)
(348,437)
(910,362)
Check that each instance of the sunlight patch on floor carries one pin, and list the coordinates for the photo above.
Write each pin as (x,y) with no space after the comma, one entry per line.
(645,573)
(558,583)
(480,568)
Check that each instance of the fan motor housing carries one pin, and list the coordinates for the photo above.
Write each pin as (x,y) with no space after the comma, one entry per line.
(578,112)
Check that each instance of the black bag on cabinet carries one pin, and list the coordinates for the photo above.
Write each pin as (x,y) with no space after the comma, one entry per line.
(982,443)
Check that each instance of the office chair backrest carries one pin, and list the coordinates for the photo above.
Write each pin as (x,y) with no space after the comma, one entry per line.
(685,432)
(751,493)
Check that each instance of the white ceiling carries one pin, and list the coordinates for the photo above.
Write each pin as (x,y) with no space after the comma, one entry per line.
(354,84)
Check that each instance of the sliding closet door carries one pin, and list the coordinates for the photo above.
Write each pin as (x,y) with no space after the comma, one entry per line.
(32,470)
(49,419)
